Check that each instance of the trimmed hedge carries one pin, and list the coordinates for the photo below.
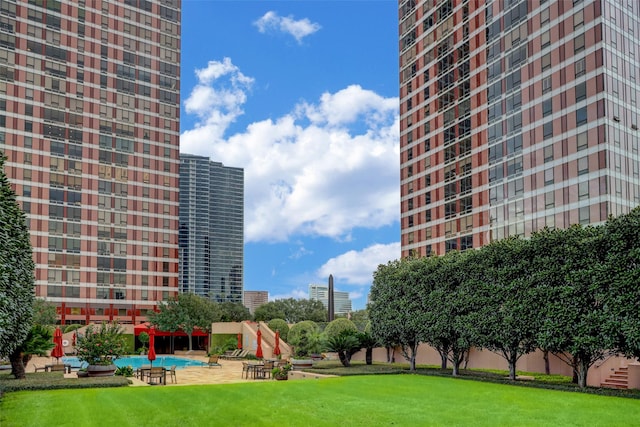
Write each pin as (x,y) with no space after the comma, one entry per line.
(55,381)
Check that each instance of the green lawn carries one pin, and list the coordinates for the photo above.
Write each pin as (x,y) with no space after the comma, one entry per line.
(374,400)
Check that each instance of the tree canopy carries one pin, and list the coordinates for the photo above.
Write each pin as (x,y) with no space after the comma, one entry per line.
(292,310)
(186,312)
(573,292)
(16,272)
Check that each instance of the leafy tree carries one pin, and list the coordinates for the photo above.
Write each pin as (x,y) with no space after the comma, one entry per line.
(395,308)
(360,317)
(234,312)
(509,317)
(280,326)
(571,274)
(16,276)
(291,310)
(44,312)
(144,339)
(305,338)
(268,311)
(168,317)
(338,326)
(622,236)
(38,342)
(187,312)
(368,342)
(449,320)
(346,344)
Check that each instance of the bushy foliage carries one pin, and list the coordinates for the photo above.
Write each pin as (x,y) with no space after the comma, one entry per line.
(281,326)
(101,346)
(572,292)
(338,326)
(125,371)
(16,271)
(305,338)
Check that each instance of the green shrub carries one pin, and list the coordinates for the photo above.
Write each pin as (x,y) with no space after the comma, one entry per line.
(55,381)
(305,338)
(125,371)
(337,327)
(281,326)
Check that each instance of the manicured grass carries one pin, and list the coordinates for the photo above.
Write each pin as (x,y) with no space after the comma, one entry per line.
(371,400)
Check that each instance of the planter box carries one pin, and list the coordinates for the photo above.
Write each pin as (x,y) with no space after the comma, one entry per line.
(101,370)
(298,364)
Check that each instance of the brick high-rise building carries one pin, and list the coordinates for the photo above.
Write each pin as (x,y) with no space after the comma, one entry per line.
(515,115)
(89,121)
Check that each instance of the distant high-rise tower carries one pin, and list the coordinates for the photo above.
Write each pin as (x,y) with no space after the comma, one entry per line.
(89,121)
(254,299)
(515,115)
(341,300)
(211,229)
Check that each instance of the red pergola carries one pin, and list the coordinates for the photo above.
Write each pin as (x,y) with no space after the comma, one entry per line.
(144,327)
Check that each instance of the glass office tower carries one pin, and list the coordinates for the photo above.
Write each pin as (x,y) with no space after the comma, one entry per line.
(211,229)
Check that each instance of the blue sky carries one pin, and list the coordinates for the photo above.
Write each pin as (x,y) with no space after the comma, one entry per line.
(304,96)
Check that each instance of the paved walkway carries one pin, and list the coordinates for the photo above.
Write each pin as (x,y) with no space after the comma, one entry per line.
(229,372)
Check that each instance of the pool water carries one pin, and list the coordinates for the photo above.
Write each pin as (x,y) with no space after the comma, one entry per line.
(138,361)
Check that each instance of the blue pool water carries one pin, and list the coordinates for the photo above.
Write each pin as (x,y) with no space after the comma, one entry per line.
(138,361)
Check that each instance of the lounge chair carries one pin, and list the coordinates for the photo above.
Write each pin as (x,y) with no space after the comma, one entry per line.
(241,355)
(213,361)
(172,371)
(231,355)
(39,368)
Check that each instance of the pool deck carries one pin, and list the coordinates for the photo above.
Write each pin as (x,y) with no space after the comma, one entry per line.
(229,372)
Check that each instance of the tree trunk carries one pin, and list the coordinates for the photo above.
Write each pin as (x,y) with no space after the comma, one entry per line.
(545,356)
(512,368)
(443,360)
(369,356)
(583,369)
(457,361)
(574,365)
(17,367)
(190,345)
(343,359)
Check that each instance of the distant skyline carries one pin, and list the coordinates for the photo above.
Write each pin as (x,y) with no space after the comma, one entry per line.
(304,97)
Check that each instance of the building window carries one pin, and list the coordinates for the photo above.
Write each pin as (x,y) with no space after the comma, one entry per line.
(547,130)
(581,141)
(583,165)
(545,39)
(546,107)
(581,116)
(546,84)
(548,176)
(581,91)
(583,190)
(546,61)
(549,200)
(548,153)
(578,43)
(584,215)
(580,67)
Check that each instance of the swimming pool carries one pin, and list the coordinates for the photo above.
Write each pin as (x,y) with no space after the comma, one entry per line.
(138,361)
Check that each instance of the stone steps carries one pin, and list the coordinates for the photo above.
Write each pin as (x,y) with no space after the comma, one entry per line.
(619,379)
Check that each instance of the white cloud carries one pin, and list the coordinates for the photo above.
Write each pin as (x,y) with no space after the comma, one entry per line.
(216,100)
(323,169)
(357,267)
(295,293)
(299,29)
